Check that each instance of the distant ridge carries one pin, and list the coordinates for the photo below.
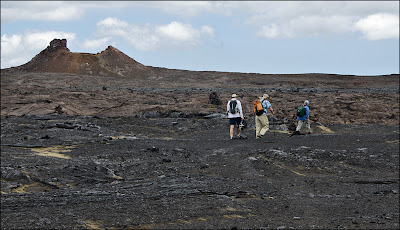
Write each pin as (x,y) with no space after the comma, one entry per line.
(57,58)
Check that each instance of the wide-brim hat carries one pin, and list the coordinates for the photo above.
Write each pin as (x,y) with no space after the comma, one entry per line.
(234,95)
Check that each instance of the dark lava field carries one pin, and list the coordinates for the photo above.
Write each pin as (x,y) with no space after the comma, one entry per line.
(88,172)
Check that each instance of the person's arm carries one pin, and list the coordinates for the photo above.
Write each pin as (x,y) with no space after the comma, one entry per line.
(308,113)
(272,111)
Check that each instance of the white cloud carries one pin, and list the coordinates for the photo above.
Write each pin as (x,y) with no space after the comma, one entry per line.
(69,10)
(39,10)
(182,8)
(95,44)
(379,26)
(271,19)
(177,31)
(17,49)
(269,31)
(305,19)
(150,37)
(188,9)
(207,30)
(111,22)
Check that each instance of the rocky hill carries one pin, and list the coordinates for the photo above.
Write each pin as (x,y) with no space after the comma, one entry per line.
(57,58)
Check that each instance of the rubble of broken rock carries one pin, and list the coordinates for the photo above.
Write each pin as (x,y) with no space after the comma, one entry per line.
(334,99)
(174,171)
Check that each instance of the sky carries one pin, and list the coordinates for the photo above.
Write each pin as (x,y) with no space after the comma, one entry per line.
(268,37)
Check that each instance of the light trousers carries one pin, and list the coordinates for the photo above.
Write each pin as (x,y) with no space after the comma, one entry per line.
(301,123)
(262,125)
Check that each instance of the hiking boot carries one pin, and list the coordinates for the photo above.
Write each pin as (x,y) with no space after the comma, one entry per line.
(309,133)
(259,137)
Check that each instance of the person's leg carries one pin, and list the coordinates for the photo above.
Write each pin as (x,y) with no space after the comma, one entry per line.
(258,126)
(299,125)
(231,131)
(265,124)
(308,127)
(231,125)
(238,120)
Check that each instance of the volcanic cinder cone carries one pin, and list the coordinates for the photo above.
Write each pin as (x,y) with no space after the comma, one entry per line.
(57,58)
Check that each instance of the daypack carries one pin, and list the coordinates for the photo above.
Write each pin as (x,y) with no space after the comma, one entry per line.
(233,107)
(258,108)
(301,111)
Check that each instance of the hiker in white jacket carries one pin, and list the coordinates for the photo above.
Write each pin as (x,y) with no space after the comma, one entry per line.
(235,114)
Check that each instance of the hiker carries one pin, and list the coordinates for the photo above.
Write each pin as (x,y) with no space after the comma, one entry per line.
(261,119)
(303,117)
(235,114)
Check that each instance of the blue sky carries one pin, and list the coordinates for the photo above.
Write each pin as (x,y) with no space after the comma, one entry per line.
(270,37)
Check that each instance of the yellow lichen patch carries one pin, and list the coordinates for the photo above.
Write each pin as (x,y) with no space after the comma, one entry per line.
(56,184)
(290,169)
(117,177)
(325,129)
(190,221)
(300,167)
(118,137)
(54,151)
(228,209)
(26,173)
(393,142)
(33,187)
(122,137)
(264,158)
(280,131)
(234,216)
(91,224)
(72,185)
(164,225)
(244,196)
(201,219)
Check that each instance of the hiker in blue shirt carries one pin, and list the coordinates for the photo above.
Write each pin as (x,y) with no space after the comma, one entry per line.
(304,119)
(262,123)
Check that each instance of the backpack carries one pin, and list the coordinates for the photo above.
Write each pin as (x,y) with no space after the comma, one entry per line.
(301,111)
(258,108)
(233,107)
